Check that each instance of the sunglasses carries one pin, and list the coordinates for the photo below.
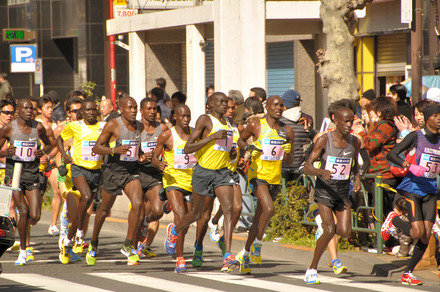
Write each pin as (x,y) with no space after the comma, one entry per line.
(75,111)
(7,113)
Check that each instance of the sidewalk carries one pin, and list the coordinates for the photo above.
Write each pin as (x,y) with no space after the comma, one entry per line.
(358,261)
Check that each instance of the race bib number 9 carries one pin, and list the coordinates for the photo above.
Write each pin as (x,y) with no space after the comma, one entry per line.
(132,153)
(272,149)
(224,144)
(432,163)
(182,160)
(86,151)
(148,147)
(339,167)
(25,150)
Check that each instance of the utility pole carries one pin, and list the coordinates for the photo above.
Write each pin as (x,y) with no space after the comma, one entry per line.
(112,62)
(416,53)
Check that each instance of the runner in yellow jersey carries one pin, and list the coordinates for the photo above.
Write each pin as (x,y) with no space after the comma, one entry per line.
(85,172)
(178,168)
(212,139)
(272,141)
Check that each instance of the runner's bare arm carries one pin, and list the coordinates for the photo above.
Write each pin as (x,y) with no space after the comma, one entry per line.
(5,134)
(48,140)
(314,156)
(203,126)
(162,143)
(110,130)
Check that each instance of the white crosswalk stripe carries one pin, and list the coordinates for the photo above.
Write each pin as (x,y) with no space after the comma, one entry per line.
(357,284)
(249,281)
(151,282)
(49,283)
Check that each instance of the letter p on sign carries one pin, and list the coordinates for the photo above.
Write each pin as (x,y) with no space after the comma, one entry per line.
(23,58)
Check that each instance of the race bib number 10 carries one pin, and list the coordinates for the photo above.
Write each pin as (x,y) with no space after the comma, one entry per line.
(340,167)
(132,153)
(432,163)
(25,150)
(272,149)
(86,151)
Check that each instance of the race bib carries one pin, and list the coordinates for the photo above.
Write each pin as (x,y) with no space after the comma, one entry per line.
(132,153)
(234,145)
(224,144)
(271,149)
(432,163)
(340,167)
(86,151)
(25,150)
(148,147)
(182,160)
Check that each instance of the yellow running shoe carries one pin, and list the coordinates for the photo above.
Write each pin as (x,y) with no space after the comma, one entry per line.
(78,245)
(91,255)
(256,253)
(64,255)
(29,254)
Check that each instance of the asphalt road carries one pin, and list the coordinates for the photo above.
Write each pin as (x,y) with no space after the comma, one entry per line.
(111,272)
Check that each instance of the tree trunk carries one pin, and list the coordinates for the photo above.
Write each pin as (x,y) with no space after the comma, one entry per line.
(336,64)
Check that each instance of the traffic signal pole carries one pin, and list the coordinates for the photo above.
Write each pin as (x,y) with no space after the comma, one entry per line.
(416,53)
(112,62)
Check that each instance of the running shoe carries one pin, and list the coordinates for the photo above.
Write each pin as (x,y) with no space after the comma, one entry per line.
(256,253)
(167,208)
(131,254)
(29,254)
(388,227)
(21,260)
(91,255)
(74,257)
(313,211)
(53,230)
(180,266)
(410,279)
(221,244)
(311,276)
(146,250)
(170,240)
(197,260)
(16,246)
(213,234)
(245,267)
(338,268)
(319,230)
(64,255)
(78,246)
(230,264)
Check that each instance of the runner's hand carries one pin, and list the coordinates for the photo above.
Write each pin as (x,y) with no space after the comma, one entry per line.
(11,150)
(325,174)
(287,147)
(222,134)
(162,165)
(123,149)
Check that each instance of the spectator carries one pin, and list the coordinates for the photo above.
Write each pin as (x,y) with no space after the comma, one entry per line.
(178,98)
(161,83)
(302,126)
(379,141)
(157,94)
(366,99)
(258,92)
(59,115)
(237,96)
(5,87)
(418,113)
(209,91)
(106,110)
(398,93)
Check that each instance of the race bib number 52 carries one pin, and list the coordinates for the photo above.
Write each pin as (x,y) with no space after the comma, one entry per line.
(340,167)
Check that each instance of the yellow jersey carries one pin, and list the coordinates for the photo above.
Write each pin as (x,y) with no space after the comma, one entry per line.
(84,138)
(179,171)
(215,154)
(267,165)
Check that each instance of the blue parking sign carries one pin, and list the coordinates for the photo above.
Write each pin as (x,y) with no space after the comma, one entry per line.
(23,58)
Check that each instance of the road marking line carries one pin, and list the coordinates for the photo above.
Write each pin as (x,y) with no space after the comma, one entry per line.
(249,281)
(150,282)
(49,283)
(352,283)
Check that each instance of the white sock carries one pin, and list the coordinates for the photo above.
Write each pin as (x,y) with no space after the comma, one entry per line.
(67,242)
(258,241)
(22,253)
(79,233)
(245,252)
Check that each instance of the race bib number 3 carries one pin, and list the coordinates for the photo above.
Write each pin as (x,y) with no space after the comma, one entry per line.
(148,147)
(132,153)
(25,150)
(182,160)
(224,144)
(272,150)
(340,167)
(432,163)
(86,151)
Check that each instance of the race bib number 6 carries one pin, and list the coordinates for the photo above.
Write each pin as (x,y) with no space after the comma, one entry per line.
(272,149)
(86,151)
(25,150)
(339,167)
(432,163)
(132,153)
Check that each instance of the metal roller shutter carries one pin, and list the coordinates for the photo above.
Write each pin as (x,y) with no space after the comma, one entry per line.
(209,64)
(280,68)
(391,50)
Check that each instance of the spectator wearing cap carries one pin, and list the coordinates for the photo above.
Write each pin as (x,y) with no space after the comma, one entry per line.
(398,93)
(433,95)
(302,125)
(367,97)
